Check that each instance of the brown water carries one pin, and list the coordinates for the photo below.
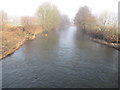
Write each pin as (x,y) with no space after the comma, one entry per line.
(65,58)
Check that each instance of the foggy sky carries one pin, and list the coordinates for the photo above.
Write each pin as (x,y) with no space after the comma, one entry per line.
(69,7)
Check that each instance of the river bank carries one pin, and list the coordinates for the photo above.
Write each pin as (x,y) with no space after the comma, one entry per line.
(113,45)
(112,41)
(64,56)
(14,39)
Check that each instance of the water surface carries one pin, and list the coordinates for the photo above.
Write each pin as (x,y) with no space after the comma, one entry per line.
(66,58)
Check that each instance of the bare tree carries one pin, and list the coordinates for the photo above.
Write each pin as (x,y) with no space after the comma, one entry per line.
(28,22)
(84,19)
(107,19)
(65,21)
(48,16)
(3,20)
(108,25)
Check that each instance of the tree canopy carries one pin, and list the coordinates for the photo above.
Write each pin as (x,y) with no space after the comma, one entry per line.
(48,16)
(84,19)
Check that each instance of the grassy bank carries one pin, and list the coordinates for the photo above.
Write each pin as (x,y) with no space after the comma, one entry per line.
(14,37)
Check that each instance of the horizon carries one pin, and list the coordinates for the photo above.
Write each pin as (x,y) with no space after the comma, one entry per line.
(69,8)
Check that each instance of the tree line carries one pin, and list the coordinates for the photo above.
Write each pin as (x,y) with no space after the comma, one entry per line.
(47,16)
(103,26)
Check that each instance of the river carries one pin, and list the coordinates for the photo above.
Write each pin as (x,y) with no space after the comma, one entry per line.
(64,59)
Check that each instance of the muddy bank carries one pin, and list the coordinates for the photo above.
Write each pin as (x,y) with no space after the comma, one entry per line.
(7,52)
(12,50)
(113,45)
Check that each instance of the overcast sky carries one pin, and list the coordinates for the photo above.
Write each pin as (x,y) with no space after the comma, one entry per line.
(69,7)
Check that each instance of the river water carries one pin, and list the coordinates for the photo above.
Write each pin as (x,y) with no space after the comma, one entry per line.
(65,59)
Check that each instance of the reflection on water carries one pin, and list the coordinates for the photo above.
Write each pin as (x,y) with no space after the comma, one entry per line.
(65,58)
